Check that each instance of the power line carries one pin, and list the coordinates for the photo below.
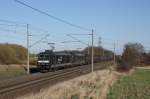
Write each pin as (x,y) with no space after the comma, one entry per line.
(70,41)
(12,31)
(13,25)
(19,24)
(7,25)
(37,29)
(79,34)
(8,30)
(12,37)
(77,39)
(13,22)
(39,40)
(53,17)
(37,35)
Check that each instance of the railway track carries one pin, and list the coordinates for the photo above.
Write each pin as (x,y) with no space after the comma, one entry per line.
(34,84)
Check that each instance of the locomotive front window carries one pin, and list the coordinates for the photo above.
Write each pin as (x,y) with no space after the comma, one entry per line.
(46,56)
(43,56)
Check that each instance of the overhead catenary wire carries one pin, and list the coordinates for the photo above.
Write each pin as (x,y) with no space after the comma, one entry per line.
(11,29)
(79,34)
(53,17)
(16,26)
(70,41)
(37,29)
(13,22)
(33,28)
(8,25)
(11,37)
(8,30)
(77,39)
(39,40)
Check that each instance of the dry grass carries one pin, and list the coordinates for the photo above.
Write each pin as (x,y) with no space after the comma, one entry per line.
(144,67)
(11,71)
(91,86)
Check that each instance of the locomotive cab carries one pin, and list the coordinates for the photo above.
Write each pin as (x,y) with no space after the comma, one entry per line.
(45,60)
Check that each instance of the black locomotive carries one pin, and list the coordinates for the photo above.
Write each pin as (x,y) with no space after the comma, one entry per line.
(50,60)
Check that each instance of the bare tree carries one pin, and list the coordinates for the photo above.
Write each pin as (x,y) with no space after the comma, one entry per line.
(132,55)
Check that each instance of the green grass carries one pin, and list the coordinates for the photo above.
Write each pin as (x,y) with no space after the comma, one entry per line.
(7,72)
(135,86)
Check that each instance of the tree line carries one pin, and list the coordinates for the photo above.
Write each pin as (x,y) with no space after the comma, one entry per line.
(12,54)
(133,54)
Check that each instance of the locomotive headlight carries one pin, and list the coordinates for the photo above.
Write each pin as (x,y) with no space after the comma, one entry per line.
(43,61)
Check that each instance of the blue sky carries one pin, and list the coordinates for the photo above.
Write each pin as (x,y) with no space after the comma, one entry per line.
(119,21)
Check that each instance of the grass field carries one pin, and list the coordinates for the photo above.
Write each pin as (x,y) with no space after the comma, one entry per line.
(11,71)
(134,86)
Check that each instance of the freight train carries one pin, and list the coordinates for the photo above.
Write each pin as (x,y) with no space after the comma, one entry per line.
(50,61)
